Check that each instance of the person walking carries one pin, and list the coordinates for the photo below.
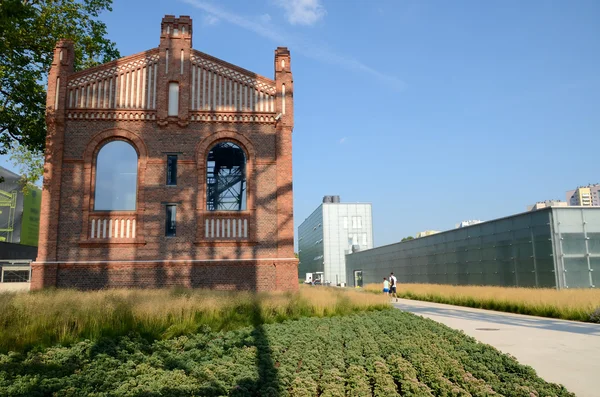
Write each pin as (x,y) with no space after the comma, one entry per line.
(386,286)
(393,282)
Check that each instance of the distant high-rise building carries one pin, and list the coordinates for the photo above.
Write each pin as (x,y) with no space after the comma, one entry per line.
(333,230)
(547,203)
(585,196)
(467,223)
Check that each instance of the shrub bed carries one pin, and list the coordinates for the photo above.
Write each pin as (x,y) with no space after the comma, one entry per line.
(379,353)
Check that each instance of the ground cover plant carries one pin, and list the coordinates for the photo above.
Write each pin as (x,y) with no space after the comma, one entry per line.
(567,304)
(47,317)
(377,353)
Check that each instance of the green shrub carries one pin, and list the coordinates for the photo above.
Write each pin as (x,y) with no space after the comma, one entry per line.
(379,353)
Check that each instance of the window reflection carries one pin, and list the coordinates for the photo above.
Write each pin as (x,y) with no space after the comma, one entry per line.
(226,178)
(116,177)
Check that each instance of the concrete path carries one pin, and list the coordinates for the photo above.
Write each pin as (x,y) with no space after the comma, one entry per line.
(565,352)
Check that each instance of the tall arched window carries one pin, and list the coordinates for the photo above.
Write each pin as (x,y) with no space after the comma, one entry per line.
(116,177)
(226,178)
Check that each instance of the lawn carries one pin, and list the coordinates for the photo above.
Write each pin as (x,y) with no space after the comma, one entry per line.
(567,304)
(48,317)
(375,353)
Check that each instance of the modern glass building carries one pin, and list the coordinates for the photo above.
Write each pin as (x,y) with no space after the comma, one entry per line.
(329,233)
(551,247)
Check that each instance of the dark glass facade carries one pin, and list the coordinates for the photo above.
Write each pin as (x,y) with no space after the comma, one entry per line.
(551,247)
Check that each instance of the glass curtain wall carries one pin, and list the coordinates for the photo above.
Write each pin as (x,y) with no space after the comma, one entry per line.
(558,247)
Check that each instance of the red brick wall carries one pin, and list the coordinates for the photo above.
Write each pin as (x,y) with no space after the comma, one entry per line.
(69,258)
(231,275)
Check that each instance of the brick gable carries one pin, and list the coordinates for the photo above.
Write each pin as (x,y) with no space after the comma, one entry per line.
(127,100)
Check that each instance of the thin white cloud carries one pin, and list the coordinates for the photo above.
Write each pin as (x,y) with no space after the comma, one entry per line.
(265,18)
(210,20)
(310,50)
(302,12)
(343,140)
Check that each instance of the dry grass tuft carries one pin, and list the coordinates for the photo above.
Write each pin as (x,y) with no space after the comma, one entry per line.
(569,304)
(63,316)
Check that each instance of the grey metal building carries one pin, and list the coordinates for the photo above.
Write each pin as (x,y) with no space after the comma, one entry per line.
(551,247)
(329,233)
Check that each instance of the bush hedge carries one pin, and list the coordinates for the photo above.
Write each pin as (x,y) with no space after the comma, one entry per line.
(379,353)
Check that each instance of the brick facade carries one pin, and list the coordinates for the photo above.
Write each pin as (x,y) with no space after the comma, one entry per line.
(127,100)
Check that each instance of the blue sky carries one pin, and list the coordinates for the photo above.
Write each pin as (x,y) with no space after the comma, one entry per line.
(433,111)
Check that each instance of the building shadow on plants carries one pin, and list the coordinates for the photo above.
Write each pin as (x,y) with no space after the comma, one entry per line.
(267,383)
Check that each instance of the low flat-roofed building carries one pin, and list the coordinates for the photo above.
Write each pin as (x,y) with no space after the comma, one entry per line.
(554,247)
(547,203)
(427,233)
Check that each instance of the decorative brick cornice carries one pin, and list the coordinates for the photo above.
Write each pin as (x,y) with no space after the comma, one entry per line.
(233,117)
(109,69)
(233,72)
(125,115)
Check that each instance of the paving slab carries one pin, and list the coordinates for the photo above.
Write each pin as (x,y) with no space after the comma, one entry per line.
(565,352)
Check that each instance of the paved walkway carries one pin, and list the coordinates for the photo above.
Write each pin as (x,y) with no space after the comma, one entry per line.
(560,351)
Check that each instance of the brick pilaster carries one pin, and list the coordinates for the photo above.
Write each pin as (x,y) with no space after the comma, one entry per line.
(56,100)
(175,37)
(284,106)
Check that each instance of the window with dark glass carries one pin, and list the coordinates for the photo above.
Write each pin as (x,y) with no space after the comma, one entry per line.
(116,177)
(172,170)
(226,178)
(171,221)
(15,276)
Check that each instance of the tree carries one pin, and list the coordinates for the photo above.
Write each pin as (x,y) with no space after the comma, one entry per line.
(407,238)
(29,163)
(29,30)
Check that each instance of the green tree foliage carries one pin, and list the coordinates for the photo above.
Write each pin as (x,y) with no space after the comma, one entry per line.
(407,238)
(29,30)
(29,163)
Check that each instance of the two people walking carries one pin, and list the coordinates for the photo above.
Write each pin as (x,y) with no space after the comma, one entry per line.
(389,286)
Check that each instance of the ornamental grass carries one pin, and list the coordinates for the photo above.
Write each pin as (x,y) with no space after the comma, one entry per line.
(567,304)
(48,317)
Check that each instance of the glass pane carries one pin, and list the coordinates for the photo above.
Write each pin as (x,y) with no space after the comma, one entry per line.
(170,224)
(573,243)
(595,265)
(171,170)
(116,177)
(173,99)
(594,243)
(578,274)
(570,220)
(15,276)
(226,178)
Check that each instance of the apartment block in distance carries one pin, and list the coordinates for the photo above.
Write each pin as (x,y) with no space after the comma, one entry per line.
(585,196)
(333,230)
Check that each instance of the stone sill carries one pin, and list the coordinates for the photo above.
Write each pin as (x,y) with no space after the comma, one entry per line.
(125,242)
(226,243)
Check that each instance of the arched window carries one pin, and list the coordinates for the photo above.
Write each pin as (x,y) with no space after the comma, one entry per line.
(226,178)
(116,177)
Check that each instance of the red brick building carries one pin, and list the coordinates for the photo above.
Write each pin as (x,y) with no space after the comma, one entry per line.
(167,168)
